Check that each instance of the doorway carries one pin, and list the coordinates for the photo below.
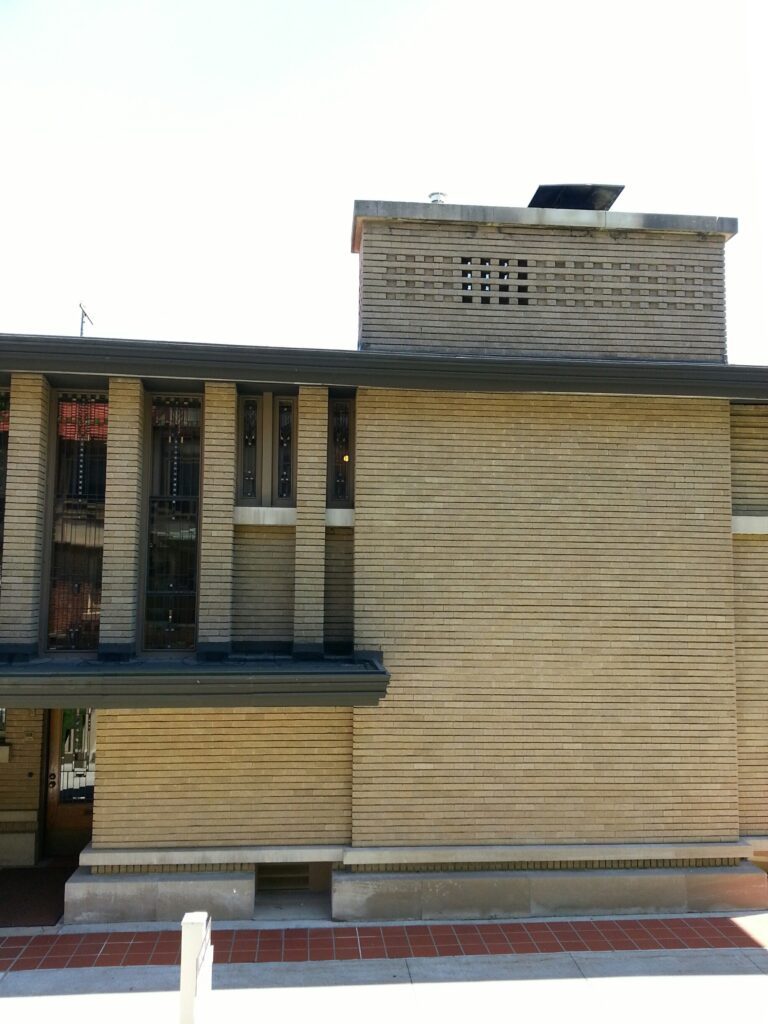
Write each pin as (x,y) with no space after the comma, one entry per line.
(70,781)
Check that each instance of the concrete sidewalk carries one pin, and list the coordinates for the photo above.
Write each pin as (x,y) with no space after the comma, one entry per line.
(710,985)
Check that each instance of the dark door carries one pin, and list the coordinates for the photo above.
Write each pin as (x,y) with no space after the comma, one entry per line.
(70,781)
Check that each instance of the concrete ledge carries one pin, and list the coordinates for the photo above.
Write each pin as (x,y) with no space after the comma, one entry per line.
(159,896)
(550,852)
(120,857)
(339,517)
(279,515)
(374,855)
(264,515)
(502,894)
(17,849)
(749,524)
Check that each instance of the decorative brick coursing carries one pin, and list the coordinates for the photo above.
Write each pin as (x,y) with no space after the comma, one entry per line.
(339,587)
(263,586)
(569,292)
(550,580)
(549,865)
(25,505)
(216,519)
(122,514)
(751,575)
(20,777)
(167,869)
(749,459)
(221,776)
(310,519)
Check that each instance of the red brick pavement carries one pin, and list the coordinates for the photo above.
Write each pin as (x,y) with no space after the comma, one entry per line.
(271,945)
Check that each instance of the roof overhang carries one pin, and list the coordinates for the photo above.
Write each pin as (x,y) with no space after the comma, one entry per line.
(92,361)
(148,683)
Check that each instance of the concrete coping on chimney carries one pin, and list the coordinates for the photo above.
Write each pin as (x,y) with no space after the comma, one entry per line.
(526,216)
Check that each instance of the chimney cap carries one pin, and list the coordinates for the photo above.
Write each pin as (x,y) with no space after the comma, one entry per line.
(576,197)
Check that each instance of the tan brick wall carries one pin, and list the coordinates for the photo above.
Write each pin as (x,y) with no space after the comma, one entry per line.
(223,776)
(339,586)
(263,585)
(25,509)
(550,579)
(216,519)
(599,293)
(751,575)
(122,512)
(749,458)
(20,777)
(311,471)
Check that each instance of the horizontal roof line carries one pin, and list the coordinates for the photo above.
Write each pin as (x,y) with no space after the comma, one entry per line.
(96,359)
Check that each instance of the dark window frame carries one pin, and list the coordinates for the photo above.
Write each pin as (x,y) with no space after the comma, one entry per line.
(242,498)
(147,495)
(267,412)
(331,500)
(52,459)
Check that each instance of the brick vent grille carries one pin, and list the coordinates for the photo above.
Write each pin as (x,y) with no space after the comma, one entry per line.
(145,869)
(555,865)
(523,281)
(18,826)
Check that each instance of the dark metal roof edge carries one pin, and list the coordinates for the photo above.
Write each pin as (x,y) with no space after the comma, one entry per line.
(192,361)
(131,691)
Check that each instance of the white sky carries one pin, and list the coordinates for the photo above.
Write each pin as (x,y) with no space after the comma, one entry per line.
(187,169)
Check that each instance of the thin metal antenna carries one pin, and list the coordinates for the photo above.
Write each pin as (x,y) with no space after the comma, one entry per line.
(83,317)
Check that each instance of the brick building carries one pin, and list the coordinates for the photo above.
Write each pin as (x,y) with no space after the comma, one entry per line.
(469,622)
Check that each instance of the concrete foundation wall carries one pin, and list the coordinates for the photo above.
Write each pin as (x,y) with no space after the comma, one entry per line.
(17,849)
(497,894)
(226,896)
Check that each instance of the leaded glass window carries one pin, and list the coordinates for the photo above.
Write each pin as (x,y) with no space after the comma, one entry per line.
(171,595)
(340,440)
(250,488)
(285,442)
(74,606)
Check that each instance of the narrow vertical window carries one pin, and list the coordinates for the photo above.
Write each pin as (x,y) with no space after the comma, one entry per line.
(249,477)
(285,453)
(74,607)
(4,423)
(340,493)
(173,512)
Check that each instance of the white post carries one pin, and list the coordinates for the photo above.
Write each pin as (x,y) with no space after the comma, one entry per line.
(196,964)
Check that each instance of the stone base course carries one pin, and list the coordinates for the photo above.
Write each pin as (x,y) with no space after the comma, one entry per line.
(225,895)
(502,894)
